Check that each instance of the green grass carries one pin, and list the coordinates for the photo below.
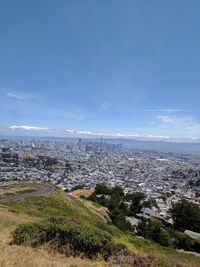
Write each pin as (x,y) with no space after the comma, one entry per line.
(9,194)
(46,207)
(70,208)
(21,191)
(29,190)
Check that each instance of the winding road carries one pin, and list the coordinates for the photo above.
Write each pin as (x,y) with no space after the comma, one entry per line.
(41,189)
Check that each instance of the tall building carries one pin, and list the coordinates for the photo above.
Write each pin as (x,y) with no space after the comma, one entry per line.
(80,144)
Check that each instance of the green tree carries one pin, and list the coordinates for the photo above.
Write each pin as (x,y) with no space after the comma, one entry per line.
(198,182)
(136,204)
(50,161)
(150,203)
(68,167)
(117,190)
(119,219)
(102,189)
(186,215)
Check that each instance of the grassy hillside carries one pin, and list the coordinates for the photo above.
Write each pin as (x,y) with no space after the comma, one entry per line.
(16,190)
(71,208)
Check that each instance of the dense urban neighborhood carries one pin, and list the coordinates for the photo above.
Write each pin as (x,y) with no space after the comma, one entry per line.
(165,177)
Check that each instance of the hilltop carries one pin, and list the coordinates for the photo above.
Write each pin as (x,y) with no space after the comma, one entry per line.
(63,210)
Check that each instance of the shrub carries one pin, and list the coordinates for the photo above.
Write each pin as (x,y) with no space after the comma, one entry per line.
(77,187)
(155,231)
(93,197)
(80,239)
(196,245)
(83,197)
(182,241)
(134,260)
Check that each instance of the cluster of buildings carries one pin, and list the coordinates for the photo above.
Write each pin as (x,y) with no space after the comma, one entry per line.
(164,177)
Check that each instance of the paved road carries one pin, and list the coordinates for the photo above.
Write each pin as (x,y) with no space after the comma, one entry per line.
(41,189)
(188,252)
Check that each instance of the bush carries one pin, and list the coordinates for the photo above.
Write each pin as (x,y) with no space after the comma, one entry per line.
(77,187)
(163,238)
(196,245)
(93,197)
(182,241)
(155,231)
(80,239)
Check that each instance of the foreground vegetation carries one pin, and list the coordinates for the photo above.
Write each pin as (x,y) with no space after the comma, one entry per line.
(70,226)
(12,191)
(186,215)
(69,238)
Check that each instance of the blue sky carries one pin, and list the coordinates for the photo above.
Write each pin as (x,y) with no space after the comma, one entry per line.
(121,68)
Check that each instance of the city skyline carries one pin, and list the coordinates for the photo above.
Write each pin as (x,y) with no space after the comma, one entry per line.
(86,68)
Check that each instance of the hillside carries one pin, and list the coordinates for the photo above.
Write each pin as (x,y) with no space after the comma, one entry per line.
(85,214)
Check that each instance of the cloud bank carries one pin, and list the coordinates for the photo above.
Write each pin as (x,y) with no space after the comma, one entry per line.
(45,131)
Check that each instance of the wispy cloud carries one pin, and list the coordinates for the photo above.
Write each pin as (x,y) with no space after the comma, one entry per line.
(27,128)
(180,123)
(166,119)
(18,95)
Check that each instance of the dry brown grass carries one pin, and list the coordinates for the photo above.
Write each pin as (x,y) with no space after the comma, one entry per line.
(83,192)
(98,210)
(8,222)
(11,255)
(20,256)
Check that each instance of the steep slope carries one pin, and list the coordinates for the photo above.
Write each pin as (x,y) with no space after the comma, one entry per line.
(71,208)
